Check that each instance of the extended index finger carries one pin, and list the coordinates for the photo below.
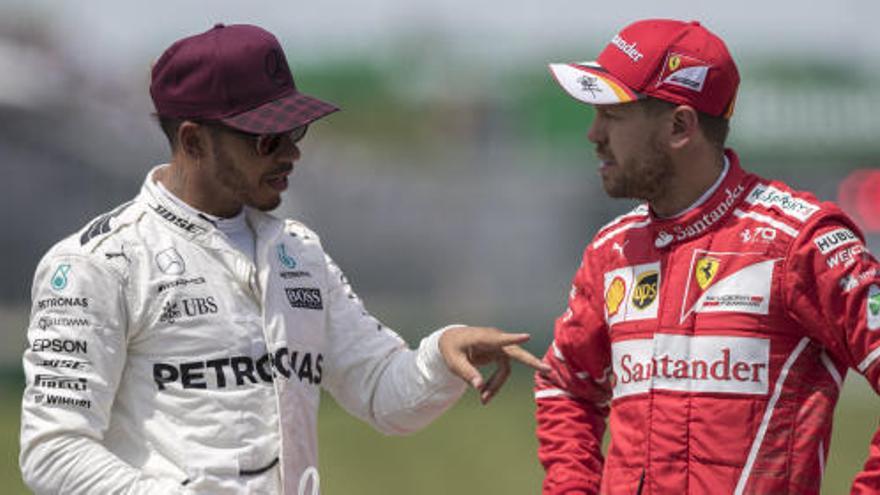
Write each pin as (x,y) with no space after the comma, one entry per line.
(492,337)
(527,358)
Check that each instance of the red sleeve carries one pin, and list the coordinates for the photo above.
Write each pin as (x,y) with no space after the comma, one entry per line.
(572,401)
(833,292)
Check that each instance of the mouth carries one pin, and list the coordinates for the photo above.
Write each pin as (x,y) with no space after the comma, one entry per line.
(605,162)
(605,159)
(278,181)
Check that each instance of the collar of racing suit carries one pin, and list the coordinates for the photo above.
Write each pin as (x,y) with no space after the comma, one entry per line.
(253,273)
(198,228)
(705,217)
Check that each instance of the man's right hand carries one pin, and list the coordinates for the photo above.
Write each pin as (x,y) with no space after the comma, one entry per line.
(466,348)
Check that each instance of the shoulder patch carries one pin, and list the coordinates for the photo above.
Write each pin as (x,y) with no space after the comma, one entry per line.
(638,211)
(297,229)
(101,225)
(785,202)
(636,218)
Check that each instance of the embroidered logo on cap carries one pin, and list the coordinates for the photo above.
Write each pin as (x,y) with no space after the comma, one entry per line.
(628,48)
(684,71)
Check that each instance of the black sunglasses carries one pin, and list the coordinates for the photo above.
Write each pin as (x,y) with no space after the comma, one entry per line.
(264,144)
(267,144)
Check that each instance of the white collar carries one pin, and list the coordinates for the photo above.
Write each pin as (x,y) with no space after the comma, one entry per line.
(706,195)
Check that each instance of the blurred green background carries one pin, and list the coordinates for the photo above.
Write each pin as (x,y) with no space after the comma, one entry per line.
(456,185)
(472,449)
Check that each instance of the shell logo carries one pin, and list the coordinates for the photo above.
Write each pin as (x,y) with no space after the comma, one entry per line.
(614,295)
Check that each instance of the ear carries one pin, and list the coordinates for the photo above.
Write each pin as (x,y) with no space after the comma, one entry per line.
(192,139)
(685,126)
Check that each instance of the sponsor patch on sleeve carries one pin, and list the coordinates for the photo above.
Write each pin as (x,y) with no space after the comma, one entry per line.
(632,293)
(834,239)
(772,198)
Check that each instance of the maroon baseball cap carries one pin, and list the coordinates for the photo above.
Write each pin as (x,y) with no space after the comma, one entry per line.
(680,62)
(237,75)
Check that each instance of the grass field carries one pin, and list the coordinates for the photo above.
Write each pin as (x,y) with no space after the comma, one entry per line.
(471,450)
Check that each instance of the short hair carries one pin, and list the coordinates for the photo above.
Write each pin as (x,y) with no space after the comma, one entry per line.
(714,128)
(170,126)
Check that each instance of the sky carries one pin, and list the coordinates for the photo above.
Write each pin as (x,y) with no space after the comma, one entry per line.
(105,32)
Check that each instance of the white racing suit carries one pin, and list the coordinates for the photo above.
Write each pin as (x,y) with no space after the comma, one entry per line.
(161,360)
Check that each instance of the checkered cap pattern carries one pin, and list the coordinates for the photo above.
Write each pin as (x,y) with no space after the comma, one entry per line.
(281,115)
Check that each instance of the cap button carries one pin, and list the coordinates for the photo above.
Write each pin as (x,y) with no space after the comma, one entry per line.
(219,25)
(695,23)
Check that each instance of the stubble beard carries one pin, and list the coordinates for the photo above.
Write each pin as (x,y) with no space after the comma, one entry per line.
(643,177)
(234,181)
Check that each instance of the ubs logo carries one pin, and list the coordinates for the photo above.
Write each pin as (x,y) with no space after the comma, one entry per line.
(193,306)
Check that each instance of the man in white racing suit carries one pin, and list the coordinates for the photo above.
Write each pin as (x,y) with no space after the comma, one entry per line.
(178,343)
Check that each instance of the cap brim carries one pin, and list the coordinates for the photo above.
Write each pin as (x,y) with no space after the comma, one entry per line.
(281,115)
(591,83)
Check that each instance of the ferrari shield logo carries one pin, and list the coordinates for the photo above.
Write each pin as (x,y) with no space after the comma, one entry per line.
(706,269)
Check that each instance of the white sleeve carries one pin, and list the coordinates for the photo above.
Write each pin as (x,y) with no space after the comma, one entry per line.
(75,356)
(372,373)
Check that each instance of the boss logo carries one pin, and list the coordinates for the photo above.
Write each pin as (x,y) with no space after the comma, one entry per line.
(304,297)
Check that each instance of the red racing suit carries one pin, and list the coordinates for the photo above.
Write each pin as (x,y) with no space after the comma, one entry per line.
(717,341)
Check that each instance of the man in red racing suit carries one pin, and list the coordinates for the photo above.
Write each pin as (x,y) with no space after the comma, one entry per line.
(713,336)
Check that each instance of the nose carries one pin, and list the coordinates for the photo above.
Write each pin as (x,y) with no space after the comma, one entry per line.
(289,152)
(596,132)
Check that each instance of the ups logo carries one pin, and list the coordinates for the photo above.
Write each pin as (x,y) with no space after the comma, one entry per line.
(645,291)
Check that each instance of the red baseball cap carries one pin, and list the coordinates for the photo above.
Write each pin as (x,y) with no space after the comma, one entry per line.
(237,75)
(675,61)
